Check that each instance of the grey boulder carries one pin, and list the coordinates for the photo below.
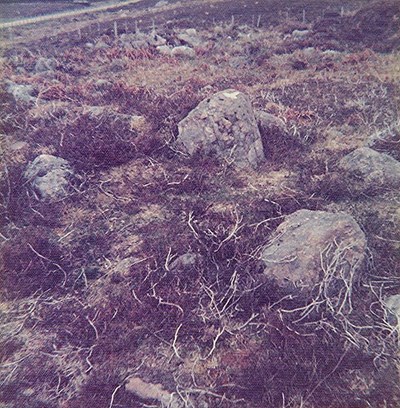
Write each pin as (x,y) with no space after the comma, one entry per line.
(368,168)
(312,248)
(224,125)
(49,176)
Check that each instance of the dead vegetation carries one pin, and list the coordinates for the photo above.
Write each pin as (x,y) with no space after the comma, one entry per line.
(94,287)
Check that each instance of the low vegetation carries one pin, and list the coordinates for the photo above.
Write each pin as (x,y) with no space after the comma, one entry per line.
(93,286)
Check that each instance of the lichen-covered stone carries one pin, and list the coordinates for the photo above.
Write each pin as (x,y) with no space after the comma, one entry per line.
(224,125)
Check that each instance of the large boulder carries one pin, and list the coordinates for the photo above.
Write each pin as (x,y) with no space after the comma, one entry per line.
(312,248)
(49,176)
(369,169)
(224,125)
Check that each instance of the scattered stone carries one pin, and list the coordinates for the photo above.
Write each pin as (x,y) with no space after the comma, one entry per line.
(49,176)
(149,391)
(270,124)
(299,34)
(367,168)
(45,65)
(142,40)
(392,304)
(117,65)
(164,50)
(185,261)
(101,45)
(311,247)
(331,53)
(183,51)
(190,37)
(139,123)
(309,51)
(20,92)
(225,125)
(102,84)
(161,3)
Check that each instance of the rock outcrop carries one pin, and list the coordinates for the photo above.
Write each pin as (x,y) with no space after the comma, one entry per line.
(224,125)
(49,176)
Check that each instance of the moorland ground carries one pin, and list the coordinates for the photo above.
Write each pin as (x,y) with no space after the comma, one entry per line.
(89,297)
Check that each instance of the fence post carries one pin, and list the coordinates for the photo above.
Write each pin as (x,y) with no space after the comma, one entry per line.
(115,29)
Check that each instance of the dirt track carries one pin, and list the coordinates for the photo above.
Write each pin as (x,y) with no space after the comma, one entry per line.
(73,13)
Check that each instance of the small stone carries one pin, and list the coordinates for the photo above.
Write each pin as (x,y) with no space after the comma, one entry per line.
(190,37)
(185,261)
(300,33)
(161,3)
(45,65)
(101,45)
(49,176)
(183,51)
(149,391)
(164,50)
(392,304)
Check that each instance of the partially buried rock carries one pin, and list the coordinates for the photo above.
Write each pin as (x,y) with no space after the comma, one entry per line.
(49,177)
(368,169)
(270,125)
(224,125)
(312,248)
(149,391)
(185,261)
